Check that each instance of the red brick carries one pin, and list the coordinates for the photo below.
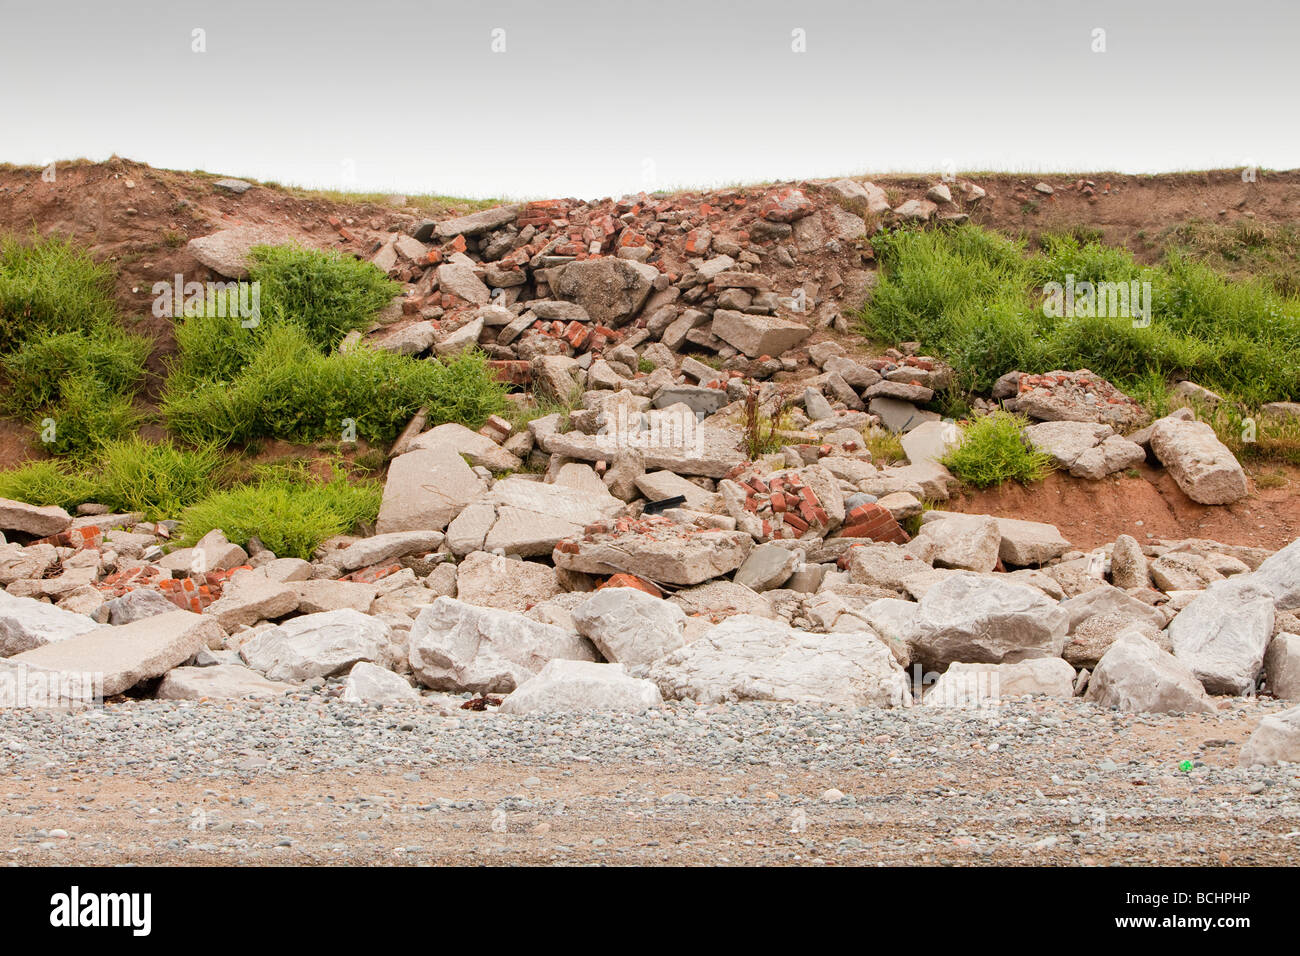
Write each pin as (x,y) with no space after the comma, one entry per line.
(631,581)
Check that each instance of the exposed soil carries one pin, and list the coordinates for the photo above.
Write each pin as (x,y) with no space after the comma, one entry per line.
(1148,507)
(1137,209)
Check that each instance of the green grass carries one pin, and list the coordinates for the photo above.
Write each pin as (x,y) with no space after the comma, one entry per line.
(290,509)
(1245,249)
(975,298)
(283,378)
(884,445)
(992,450)
(36,372)
(328,294)
(47,482)
(87,416)
(289,391)
(50,285)
(289,513)
(67,367)
(158,479)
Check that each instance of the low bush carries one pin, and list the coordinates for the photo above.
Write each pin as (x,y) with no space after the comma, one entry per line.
(159,479)
(291,392)
(47,482)
(976,299)
(290,514)
(992,450)
(50,285)
(87,416)
(327,293)
(36,372)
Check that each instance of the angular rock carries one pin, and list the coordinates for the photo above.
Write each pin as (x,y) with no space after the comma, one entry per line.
(1282,665)
(26,624)
(965,542)
(757,335)
(133,606)
(1098,616)
(611,290)
(979,619)
(218,681)
(673,555)
(459,280)
(973,685)
(527,518)
(458,647)
(322,595)
(425,490)
(1277,738)
(899,416)
(1136,675)
(476,223)
(225,252)
(1182,571)
(720,599)
(371,684)
(129,654)
(479,449)
(1066,441)
(930,441)
(1128,565)
(767,566)
(1223,634)
(630,627)
(40,522)
(1115,453)
(753,658)
(563,687)
(316,645)
(249,599)
(1280,574)
(382,548)
(491,580)
(1204,468)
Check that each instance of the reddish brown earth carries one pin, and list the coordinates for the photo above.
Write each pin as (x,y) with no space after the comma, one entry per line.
(1149,507)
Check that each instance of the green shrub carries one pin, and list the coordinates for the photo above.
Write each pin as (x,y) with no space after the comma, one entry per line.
(290,514)
(976,299)
(47,482)
(36,373)
(86,417)
(212,348)
(329,294)
(289,391)
(50,285)
(992,450)
(159,479)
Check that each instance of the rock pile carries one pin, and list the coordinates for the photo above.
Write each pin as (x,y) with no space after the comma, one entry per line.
(642,546)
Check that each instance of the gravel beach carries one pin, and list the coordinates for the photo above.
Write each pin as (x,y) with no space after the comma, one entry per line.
(313,780)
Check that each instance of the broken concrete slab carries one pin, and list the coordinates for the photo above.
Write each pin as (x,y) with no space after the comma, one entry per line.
(128,654)
(658,550)
(758,335)
(425,489)
(457,647)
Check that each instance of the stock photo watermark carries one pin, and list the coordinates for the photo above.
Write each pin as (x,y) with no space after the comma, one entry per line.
(241,300)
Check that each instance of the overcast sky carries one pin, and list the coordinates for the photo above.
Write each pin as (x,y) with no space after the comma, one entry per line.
(604,97)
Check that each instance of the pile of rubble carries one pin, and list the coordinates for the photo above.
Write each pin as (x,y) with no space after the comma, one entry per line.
(563,592)
(643,545)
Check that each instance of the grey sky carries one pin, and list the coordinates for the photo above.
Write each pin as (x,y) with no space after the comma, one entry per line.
(599,98)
